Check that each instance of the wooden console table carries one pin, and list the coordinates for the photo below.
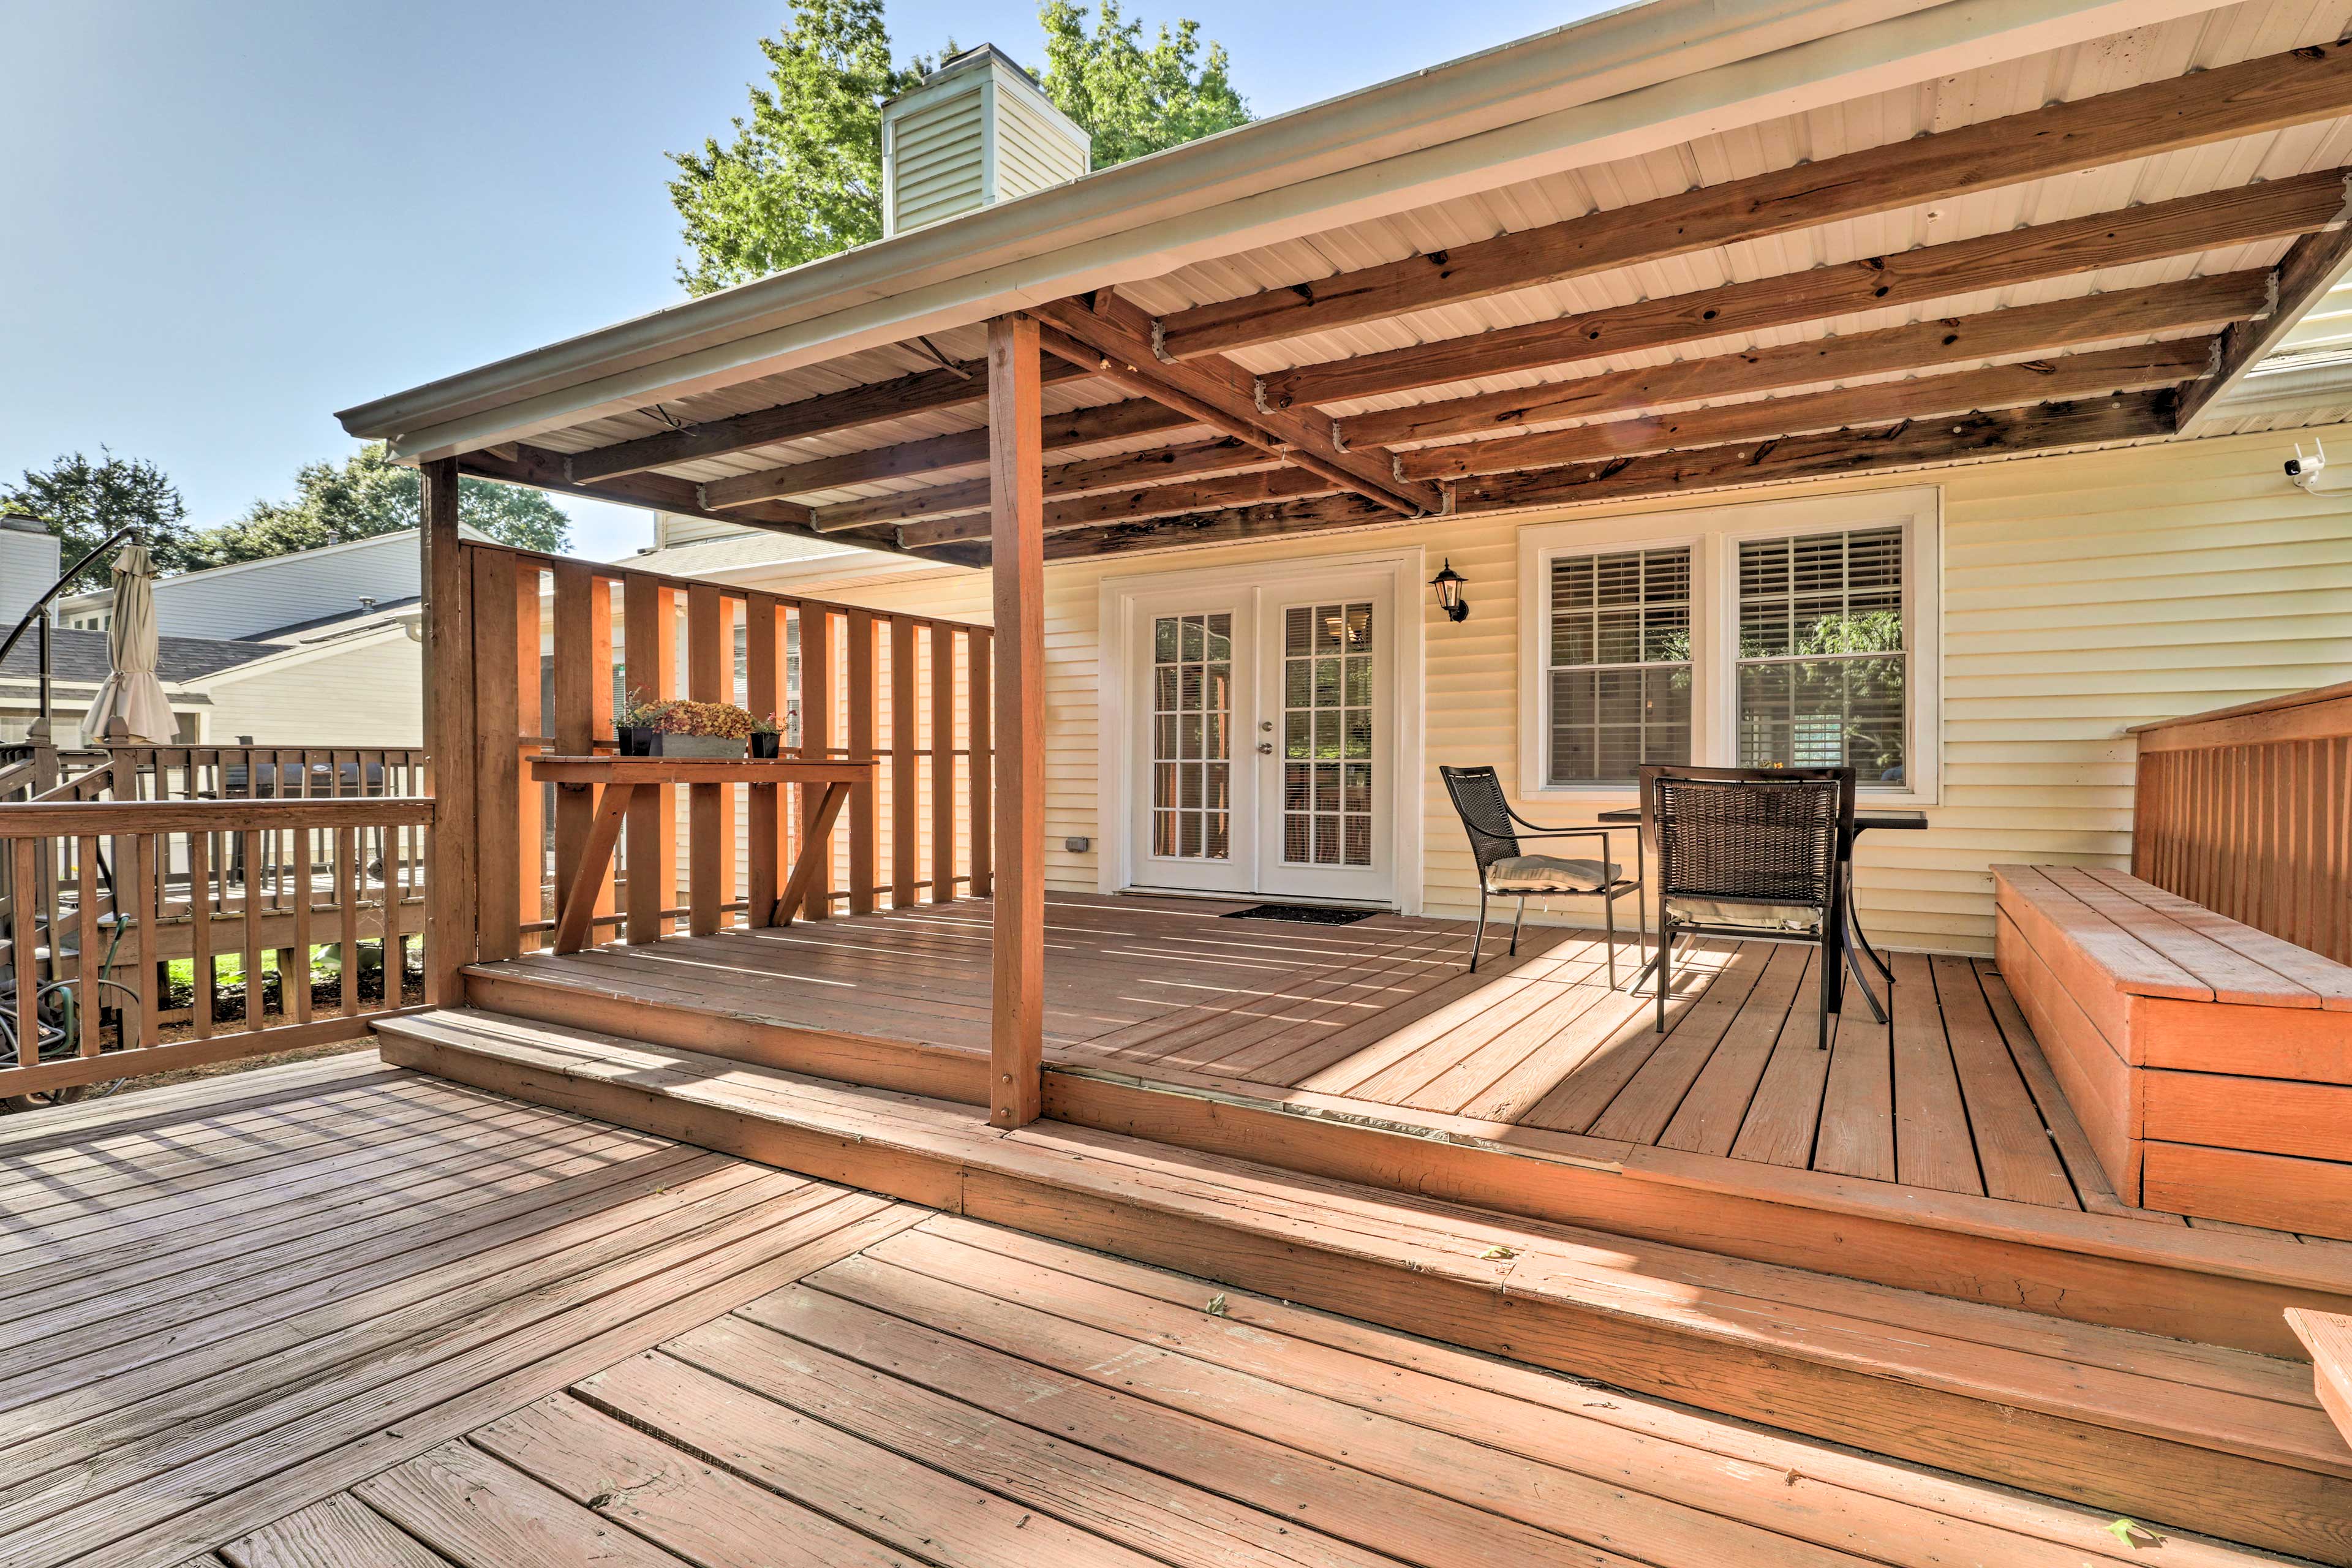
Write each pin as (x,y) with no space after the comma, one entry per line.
(620,778)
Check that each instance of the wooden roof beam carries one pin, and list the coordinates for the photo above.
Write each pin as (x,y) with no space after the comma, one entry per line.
(2068,377)
(543,469)
(2255,96)
(919,393)
(2317,264)
(1085,475)
(958,449)
(2241,215)
(2197,302)
(1113,338)
(1151,500)
(2012,432)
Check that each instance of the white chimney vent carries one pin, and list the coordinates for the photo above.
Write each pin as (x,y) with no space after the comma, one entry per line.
(976,132)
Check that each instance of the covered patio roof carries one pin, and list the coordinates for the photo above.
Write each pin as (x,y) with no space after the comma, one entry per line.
(1638,255)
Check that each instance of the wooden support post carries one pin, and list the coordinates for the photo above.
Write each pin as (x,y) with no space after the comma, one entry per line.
(1017,556)
(448,737)
(762,665)
(649,640)
(599,701)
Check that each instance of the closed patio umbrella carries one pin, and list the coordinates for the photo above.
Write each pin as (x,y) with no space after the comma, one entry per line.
(132,691)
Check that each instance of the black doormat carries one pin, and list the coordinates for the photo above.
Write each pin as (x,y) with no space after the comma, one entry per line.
(1305,914)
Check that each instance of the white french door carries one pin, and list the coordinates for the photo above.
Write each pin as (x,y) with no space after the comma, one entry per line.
(1261,758)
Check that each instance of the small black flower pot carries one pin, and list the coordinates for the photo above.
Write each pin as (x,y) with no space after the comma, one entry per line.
(765,745)
(636,740)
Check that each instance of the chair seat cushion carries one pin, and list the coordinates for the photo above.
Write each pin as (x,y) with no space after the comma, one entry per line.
(1548,874)
(1756,917)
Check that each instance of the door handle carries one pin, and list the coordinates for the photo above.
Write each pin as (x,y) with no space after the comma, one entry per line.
(1265,748)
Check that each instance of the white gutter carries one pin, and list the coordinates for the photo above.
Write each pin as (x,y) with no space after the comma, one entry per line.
(1616,86)
(2291,386)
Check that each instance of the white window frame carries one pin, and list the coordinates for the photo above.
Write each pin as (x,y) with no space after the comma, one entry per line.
(1714,535)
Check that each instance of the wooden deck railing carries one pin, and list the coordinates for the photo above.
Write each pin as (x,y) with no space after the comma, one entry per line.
(910,691)
(2248,810)
(253,771)
(107,900)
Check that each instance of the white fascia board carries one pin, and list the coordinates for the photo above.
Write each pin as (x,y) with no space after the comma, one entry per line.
(1617,85)
(2294,386)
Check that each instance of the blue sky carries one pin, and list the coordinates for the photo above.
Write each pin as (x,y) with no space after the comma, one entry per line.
(225,221)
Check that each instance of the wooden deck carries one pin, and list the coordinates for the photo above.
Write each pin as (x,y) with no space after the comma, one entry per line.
(1378,1020)
(342,1314)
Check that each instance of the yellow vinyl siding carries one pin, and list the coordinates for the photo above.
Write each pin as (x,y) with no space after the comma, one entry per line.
(2082,595)
(939,167)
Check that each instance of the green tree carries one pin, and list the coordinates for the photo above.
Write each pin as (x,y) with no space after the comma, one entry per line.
(802,177)
(83,501)
(367,494)
(1131,98)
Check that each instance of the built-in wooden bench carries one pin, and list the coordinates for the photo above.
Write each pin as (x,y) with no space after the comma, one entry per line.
(2177,1434)
(2210,1064)
(2328,1337)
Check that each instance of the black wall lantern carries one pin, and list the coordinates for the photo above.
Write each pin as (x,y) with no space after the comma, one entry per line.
(1448,583)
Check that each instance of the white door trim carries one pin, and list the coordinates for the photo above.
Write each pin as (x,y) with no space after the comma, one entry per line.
(1116,793)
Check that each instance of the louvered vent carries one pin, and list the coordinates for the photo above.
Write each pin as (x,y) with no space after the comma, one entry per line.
(977,131)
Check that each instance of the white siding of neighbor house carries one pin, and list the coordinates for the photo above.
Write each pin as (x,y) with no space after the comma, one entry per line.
(259,597)
(369,694)
(2082,595)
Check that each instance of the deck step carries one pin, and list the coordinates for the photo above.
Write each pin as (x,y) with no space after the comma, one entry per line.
(2328,1337)
(2184,1435)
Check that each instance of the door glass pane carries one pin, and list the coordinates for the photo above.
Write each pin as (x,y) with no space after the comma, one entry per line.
(1327,717)
(1191,736)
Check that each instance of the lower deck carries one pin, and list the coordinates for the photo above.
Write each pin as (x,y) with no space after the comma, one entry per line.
(343,1314)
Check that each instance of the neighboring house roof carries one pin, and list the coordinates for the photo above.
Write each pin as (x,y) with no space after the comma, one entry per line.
(349,621)
(81,656)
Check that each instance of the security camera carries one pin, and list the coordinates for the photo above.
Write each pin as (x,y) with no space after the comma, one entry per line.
(2314,475)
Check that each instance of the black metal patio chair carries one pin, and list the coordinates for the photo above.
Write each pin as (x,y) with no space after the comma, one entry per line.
(1507,871)
(1750,853)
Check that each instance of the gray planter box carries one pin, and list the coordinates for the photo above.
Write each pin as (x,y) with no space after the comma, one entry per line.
(718,746)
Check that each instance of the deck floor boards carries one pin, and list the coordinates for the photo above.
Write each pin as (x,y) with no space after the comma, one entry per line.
(588,1344)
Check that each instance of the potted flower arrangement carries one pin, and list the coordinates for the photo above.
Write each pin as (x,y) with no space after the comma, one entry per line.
(639,724)
(767,735)
(719,730)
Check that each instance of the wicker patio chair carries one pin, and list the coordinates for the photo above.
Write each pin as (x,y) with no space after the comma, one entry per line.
(1505,871)
(1750,853)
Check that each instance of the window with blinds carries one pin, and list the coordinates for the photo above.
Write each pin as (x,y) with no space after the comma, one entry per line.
(1823,677)
(1619,670)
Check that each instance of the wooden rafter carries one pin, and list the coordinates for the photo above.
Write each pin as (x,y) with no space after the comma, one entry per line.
(2047,328)
(1084,475)
(960,448)
(1113,337)
(2315,264)
(1153,501)
(2278,209)
(2066,378)
(2013,432)
(543,469)
(2255,96)
(943,388)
